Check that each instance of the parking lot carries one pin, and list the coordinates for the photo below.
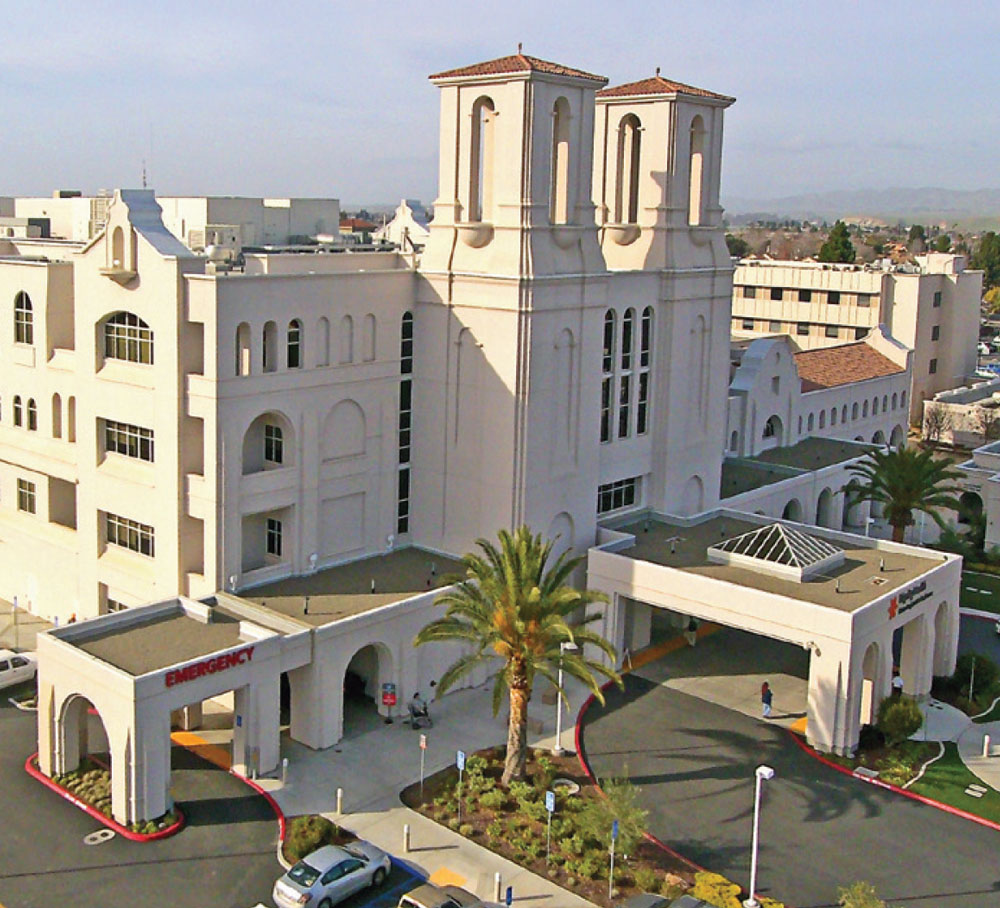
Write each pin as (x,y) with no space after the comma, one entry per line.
(224,857)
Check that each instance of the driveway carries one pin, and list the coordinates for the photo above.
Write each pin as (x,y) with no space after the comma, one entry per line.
(694,761)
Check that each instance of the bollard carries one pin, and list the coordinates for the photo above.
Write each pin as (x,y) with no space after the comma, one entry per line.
(406,839)
(284,771)
(340,800)
(497,886)
(986,745)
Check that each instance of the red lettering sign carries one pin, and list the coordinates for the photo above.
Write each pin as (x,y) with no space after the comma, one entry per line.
(208,666)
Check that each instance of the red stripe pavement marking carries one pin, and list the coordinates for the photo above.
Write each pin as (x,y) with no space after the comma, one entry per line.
(947,808)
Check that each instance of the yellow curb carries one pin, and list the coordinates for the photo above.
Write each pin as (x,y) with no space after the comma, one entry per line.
(652,653)
(198,745)
(799,726)
(443,877)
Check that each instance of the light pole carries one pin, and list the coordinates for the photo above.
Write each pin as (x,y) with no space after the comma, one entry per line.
(567,646)
(763,774)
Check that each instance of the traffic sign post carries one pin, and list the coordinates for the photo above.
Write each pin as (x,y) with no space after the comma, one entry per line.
(460,763)
(611,875)
(423,753)
(550,808)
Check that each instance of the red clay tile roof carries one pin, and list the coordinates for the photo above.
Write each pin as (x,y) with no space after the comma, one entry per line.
(828,367)
(517,63)
(658,86)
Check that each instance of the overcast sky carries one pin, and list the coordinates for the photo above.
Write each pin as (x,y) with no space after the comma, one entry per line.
(331,98)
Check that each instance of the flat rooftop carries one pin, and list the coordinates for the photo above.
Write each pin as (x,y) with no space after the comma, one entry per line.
(742,474)
(344,590)
(164,639)
(861,580)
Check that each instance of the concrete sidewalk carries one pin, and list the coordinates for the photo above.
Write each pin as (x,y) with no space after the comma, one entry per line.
(19,627)
(374,766)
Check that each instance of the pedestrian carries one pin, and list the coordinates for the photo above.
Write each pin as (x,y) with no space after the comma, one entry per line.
(72,619)
(765,698)
(897,683)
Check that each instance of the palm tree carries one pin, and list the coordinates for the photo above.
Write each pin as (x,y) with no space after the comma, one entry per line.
(905,480)
(513,607)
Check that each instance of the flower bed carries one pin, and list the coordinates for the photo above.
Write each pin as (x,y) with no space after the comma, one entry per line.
(305,834)
(512,823)
(895,765)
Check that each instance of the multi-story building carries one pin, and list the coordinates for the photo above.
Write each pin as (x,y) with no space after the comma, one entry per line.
(932,308)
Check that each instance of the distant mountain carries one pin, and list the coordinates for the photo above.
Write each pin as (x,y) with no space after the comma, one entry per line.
(929,205)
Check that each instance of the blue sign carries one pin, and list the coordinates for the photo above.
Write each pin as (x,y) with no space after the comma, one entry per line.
(550,801)
(614,831)
(460,760)
(509,897)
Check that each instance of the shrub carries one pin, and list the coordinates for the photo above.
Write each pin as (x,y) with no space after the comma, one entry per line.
(522,791)
(716,890)
(466,829)
(453,824)
(493,799)
(986,673)
(495,830)
(859,895)
(870,738)
(898,718)
(645,879)
(620,803)
(307,833)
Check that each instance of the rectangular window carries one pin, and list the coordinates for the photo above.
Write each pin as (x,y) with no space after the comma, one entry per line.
(274,445)
(624,397)
(273,539)
(936,333)
(774,327)
(831,331)
(864,301)
(802,328)
(128,440)
(130,534)
(805,296)
(403,501)
(26,496)
(937,299)
(113,605)
(616,495)
(750,293)
(776,293)
(405,419)
(833,298)
(24,330)
(642,405)
(933,367)
(861,333)
(748,324)
(606,410)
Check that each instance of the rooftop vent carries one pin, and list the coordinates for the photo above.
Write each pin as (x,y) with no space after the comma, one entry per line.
(780,551)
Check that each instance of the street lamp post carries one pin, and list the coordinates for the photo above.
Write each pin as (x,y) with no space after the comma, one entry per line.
(763,774)
(567,646)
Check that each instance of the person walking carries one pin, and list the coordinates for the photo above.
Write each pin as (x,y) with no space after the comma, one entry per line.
(897,683)
(765,698)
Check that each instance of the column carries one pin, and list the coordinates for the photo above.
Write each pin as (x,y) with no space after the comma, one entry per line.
(917,658)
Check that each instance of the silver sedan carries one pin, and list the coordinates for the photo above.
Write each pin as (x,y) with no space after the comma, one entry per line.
(331,874)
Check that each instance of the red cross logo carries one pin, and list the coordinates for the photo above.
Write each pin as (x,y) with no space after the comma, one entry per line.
(893,607)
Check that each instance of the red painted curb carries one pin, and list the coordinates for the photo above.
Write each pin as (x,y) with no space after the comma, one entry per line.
(267,797)
(123,831)
(947,808)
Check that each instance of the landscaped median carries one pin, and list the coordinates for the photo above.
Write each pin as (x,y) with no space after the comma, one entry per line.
(89,788)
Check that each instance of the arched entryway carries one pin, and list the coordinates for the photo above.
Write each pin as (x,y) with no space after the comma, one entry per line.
(872,684)
(792,511)
(82,736)
(370,668)
(878,438)
(897,437)
(824,508)
(970,507)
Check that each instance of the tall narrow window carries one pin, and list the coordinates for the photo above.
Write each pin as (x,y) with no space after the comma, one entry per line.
(24,327)
(56,416)
(559,174)
(405,422)
(17,409)
(607,371)
(269,347)
(645,359)
(368,341)
(323,342)
(32,415)
(696,172)
(625,375)
(26,496)
(243,349)
(294,345)
(274,445)
(481,161)
(273,539)
(627,177)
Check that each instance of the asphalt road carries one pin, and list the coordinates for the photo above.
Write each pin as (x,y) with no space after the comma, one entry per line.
(819,830)
(223,858)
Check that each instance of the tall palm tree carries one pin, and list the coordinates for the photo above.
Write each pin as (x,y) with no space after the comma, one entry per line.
(905,480)
(512,606)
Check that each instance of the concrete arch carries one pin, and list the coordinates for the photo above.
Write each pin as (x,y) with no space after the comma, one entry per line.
(824,509)
(878,438)
(693,500)
(343,431)
(77,734)
(898,436)
(369,667)
(970,507)
(774,431)
(872,684)
(257,443)
(792,510)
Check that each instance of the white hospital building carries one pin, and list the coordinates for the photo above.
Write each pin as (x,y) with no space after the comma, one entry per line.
(286,456)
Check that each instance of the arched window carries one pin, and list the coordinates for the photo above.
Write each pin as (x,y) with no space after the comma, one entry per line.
(696,172)
(810,423)
(885,403)
(71,419)
(625,374)
(772,428)
(822,419)
(118,248)
(269,347)
(864,410)
(481,161)
(843,414)
(32,415)
(902,398)
(559,206)
(627,177)
(24,327)
(128,337)
(368,340)
(17,410)
(833,416)
(293,348)
(645,362)
(323,342)
(895,400)
(56,416)
(734,441)
(243,349)
(874,406)
(607,373)
(347,339)
(800,425)
(854,410)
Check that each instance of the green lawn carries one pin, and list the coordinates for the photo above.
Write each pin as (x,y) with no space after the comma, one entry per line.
(981,591)
(946,781)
